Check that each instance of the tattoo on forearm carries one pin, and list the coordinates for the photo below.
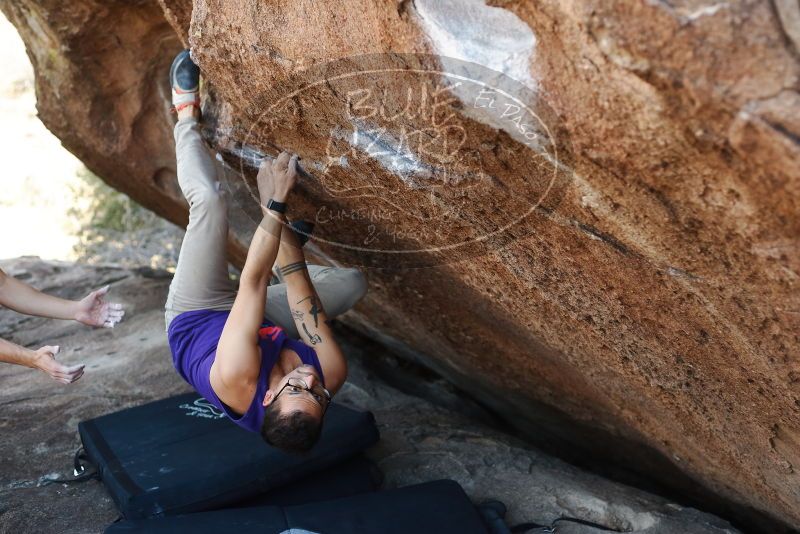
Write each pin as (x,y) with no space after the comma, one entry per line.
(293,268)
(315,309)
(312,338)
(298,315)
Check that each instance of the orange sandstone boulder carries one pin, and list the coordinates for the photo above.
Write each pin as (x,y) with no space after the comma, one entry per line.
(583,212)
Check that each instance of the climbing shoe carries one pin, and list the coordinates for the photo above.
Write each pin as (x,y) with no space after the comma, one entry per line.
(184,78)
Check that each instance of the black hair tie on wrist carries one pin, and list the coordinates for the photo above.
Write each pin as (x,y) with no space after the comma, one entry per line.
(274,205)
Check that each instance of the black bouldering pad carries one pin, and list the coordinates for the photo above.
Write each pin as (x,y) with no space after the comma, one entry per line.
(439,507)
(181,454)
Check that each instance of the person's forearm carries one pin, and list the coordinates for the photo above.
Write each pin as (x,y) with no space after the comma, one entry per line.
(304,302)
(22,298)
(263,249)
(308,313)
(290,252)
(13,353)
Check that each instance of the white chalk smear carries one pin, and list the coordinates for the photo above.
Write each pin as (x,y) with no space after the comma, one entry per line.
(706,11)
(382,146)
(395,155)
(470,30)
(249,155)
(494,38)
(691,13)
(379,144)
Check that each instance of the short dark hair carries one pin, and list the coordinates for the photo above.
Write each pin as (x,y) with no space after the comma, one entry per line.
(294,432)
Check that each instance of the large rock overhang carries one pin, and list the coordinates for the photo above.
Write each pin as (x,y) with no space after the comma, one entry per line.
(645,308)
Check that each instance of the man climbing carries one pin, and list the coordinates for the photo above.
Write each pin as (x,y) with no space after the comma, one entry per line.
(92,310)
(240,349)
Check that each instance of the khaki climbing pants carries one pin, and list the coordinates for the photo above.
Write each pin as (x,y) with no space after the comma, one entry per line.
(201,279)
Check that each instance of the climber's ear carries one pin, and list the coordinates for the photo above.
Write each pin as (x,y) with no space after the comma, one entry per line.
(269,396)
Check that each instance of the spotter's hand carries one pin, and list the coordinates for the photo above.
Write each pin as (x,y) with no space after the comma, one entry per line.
(45,360)
(93,310)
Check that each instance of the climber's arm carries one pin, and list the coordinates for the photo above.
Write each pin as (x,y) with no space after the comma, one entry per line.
(234,374)
(309,317)
(235,371)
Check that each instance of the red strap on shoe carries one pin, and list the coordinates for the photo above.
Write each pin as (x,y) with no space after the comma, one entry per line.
(179,107)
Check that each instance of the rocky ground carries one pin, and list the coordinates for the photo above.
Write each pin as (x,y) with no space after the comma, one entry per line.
(420,440)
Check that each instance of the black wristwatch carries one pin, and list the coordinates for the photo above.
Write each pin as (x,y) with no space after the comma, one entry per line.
(274,205)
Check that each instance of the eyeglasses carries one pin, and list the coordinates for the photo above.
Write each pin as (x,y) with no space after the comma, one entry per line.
(318,392)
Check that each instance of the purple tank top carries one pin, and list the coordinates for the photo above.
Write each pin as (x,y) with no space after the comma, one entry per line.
(193,338)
